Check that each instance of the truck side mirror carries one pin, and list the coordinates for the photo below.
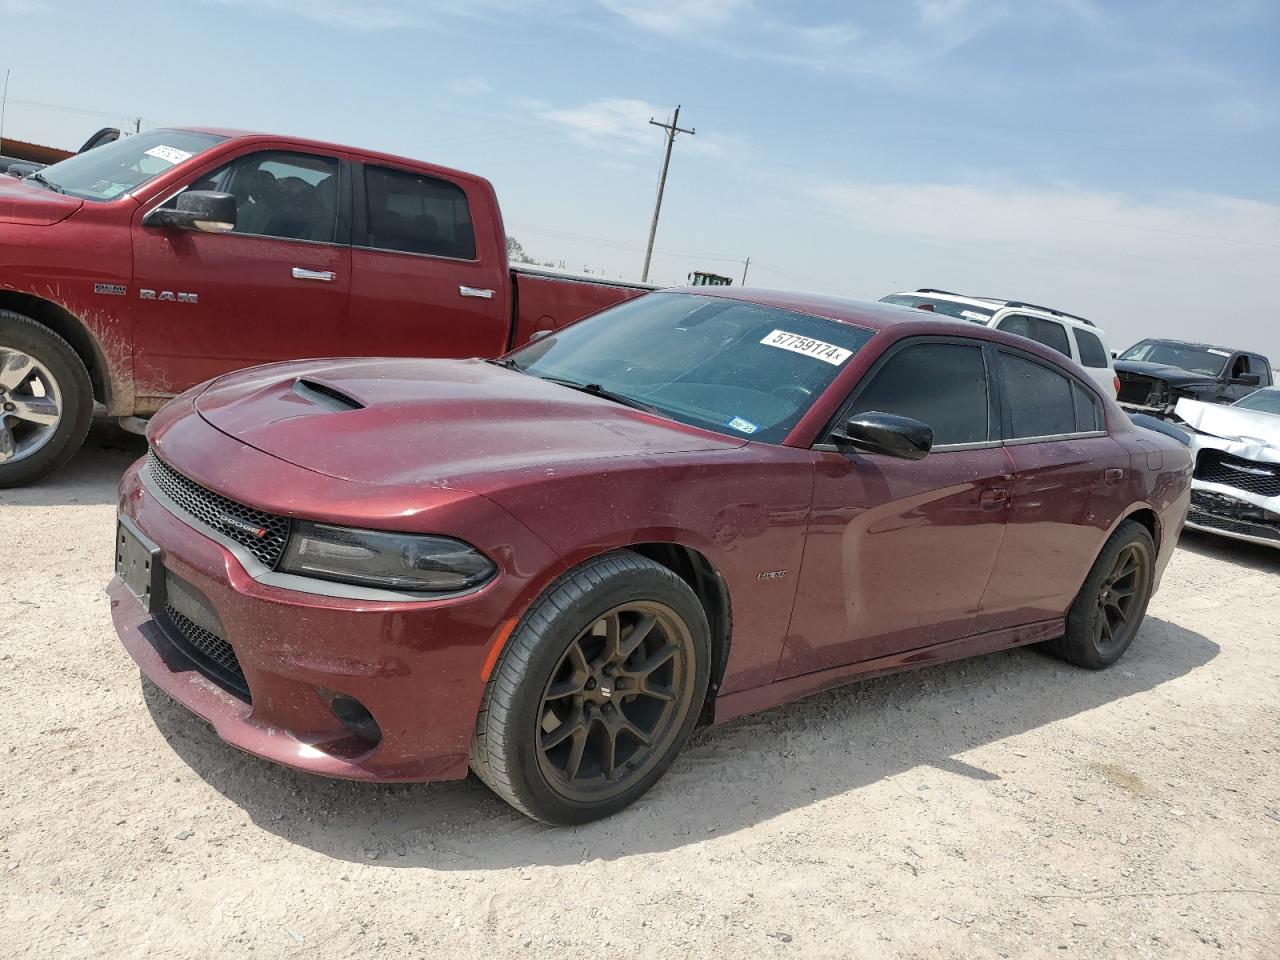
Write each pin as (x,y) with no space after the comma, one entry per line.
(887,433)
(205,210)
(1246,379)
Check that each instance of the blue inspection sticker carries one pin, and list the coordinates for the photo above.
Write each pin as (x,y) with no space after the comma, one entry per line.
(743,426)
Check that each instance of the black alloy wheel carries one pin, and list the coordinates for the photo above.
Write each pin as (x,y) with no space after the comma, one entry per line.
(1107,612)
(610,710)
(595,692)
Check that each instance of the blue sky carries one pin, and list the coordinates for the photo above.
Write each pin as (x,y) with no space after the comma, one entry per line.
(1120,159)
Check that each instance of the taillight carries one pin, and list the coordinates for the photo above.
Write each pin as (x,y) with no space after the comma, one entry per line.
(1115,382)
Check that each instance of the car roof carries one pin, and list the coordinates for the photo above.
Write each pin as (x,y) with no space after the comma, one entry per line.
(1192,343)
(995,304)
(325,146)
(869,314)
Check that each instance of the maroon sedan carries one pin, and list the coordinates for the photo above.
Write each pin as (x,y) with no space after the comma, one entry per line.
(549,568)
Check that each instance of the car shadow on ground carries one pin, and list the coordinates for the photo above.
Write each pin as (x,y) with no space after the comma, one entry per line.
(92,475)
(1257,556)
(728,777)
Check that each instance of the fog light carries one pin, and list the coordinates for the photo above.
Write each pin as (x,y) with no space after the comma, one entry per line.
(354,715)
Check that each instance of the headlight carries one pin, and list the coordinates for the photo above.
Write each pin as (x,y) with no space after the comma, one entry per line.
(392,561)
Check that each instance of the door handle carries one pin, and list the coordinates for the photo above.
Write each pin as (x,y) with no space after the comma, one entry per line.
(476,292)
(993,498)
(1113,475)
(325,276)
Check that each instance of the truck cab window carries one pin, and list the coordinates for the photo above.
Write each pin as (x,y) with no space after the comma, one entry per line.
(413,213)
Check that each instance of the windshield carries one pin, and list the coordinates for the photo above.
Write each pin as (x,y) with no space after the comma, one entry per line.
(741,369)
(1264,401)
(1206,360)
(948,308)
(106,172)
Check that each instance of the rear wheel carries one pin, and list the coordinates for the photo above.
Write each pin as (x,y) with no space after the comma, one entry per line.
(46,400)
(596,692)
(1107,612)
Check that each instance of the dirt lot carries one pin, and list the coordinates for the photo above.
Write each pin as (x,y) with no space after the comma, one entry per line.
(1004,806)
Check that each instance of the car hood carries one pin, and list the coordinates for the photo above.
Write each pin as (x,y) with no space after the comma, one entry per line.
(1175,376)
(441,422)
(1251,434)
(33,205)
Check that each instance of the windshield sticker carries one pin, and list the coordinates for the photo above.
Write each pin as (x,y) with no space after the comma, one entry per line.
(826,352)
(974,315)
(170,155)
(1219,353)
(743,426)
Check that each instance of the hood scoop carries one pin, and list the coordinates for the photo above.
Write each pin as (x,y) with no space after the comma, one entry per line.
(324,395)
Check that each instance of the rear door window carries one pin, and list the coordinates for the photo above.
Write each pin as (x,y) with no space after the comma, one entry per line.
(414,213)
(1049,332)
(1092,352)
(1088,410)
(1040,401)
(941,384)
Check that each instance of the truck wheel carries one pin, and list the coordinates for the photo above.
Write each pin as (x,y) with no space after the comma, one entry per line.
(46,400)
(1107,612)
(596,691)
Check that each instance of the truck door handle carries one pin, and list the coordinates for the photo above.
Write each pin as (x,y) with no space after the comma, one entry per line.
(1113,475)
(476,292)
(993,498)
(325,276)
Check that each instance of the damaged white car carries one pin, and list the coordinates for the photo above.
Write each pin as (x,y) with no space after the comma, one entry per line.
(1235,491)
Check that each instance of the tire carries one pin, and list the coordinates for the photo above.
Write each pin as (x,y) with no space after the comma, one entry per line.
(550,692)
(31,450)
(1107,612)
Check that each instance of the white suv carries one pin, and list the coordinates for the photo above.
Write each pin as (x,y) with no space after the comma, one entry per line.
(1075,336)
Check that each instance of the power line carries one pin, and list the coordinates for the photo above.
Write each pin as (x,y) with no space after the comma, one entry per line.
(672,127)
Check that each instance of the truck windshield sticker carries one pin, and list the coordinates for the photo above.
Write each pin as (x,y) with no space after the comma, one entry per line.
(170,155)
(1219,353)
(743,426)
(826,352)
(974,315)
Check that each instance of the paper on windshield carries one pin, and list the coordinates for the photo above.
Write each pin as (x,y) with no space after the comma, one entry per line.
(170,155)
(826,352)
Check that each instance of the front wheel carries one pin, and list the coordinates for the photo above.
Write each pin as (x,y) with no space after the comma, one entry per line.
(596,692)
(1107,612)
(46,400)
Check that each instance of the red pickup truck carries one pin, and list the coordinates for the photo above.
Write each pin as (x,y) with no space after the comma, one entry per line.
(142,267)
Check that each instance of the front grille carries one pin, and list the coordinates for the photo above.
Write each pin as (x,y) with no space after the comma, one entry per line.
(206,650)
(1139,389)
(263,534)
(1215,466)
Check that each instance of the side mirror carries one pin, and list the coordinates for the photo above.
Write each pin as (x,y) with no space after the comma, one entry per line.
(204,210)
(1246,380)
(887,433)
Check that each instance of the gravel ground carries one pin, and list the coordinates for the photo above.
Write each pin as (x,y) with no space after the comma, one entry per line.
(1005,806)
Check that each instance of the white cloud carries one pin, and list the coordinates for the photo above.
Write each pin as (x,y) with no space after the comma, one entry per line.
(469,86)
(621,125)
(1174,263)
(678,16)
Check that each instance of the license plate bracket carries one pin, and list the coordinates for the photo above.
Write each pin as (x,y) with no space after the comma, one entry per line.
(138,565)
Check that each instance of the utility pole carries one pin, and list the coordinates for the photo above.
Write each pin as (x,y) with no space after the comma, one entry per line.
(672,128)
(4,102)
(137,124)
(744,271)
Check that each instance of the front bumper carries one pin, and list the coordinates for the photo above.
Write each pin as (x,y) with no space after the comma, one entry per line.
(418,667)
(1229,512)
